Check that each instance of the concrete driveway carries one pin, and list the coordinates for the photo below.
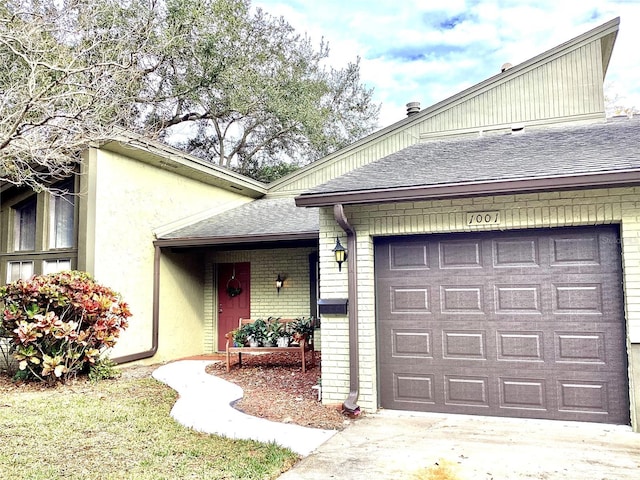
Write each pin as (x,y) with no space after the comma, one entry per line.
(392,445)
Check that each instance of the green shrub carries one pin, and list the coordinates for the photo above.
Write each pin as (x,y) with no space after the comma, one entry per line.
(103,369)
(60,324)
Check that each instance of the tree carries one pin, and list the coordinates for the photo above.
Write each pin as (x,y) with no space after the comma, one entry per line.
(251,91)
(67,77)
(231,85)
(614,103)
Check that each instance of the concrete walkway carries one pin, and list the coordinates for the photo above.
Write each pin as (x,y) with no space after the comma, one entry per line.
(401,445)
(205,405)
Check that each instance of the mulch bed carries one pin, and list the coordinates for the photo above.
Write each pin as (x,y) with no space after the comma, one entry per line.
(276,389)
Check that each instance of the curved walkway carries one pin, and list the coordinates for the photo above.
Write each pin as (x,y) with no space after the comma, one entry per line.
(205,405)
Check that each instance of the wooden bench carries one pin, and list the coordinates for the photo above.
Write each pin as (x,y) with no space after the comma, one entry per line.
(303,346)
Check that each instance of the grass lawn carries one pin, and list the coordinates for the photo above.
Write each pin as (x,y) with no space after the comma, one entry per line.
(118,429)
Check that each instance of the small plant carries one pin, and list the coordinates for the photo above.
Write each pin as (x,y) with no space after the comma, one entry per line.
(239,336)
(302,328)
(60,324)
(103,369)
(278,333)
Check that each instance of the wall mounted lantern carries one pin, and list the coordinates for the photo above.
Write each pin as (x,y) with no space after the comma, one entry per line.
(279,283)
(340,253)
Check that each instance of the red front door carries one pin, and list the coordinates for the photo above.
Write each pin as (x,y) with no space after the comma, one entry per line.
(234,299)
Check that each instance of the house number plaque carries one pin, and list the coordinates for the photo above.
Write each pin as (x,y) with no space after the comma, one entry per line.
(483,218)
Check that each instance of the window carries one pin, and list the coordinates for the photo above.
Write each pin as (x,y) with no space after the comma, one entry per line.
(24,231)
(54,266)
(61,214)
(19,271)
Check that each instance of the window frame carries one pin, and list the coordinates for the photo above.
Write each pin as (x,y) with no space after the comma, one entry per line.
(17,214)
(56,210)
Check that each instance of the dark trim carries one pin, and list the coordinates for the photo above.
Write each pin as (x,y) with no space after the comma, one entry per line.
(313,285)
(233,240)
(155,317)
(471,189)
(350,404)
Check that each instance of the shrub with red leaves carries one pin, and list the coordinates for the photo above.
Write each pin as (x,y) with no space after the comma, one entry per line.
(60,324)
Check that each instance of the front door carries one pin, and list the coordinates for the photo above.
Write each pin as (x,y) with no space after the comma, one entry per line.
(234,299)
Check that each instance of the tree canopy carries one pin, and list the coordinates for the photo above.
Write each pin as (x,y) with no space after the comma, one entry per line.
(67,77)
(223,81)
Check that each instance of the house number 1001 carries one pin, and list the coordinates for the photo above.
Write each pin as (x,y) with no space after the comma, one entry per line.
(483,218)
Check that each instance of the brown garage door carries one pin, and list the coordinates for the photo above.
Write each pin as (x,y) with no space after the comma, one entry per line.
(518,324)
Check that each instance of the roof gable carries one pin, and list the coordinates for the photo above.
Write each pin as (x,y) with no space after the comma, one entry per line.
(178,162)
(564,84)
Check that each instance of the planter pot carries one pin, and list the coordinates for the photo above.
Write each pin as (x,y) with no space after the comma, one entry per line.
(283,342)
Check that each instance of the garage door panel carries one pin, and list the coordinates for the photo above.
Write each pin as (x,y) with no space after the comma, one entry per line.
(466,390)
(462,299)
(523,393)
(460,254)
(520,346)
(410,299)
(572,250)
(517,298)
(516,252)
(527,325)
(414,389)
(412,256)
(577,298)
(584,347)
(461,344)
(411,343)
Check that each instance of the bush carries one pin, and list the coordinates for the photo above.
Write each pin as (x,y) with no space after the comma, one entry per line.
(60,324)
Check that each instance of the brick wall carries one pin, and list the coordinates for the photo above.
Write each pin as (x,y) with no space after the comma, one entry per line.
(538,210)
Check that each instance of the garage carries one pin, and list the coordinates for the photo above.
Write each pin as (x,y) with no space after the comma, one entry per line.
(522,323)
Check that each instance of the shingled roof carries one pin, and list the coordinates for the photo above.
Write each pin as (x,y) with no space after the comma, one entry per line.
(264,220)
(600,154)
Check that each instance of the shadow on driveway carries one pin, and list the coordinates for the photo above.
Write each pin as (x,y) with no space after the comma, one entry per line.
(393,445)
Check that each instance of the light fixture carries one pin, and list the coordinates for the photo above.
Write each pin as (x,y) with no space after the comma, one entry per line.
(279,283)
(340,253)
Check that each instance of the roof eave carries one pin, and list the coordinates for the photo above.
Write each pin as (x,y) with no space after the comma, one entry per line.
(471,189)
(182,163)
(234,240)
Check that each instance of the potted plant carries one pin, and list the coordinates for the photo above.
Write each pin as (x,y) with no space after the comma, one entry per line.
(250,332)
(239,336)
(303,328)
(260,333)
(280,335)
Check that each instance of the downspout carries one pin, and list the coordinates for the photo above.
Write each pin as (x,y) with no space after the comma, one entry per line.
(155,317)
(350,406)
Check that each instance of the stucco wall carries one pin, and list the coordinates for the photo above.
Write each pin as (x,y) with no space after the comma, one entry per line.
(554,209)
(293,300)
(122,202)
(181,325)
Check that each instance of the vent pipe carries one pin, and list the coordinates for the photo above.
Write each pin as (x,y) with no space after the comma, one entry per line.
(413,108)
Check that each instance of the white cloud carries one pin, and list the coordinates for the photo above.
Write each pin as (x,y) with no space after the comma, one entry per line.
(429,50)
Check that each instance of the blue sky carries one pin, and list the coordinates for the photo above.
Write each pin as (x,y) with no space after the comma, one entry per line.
(428,50)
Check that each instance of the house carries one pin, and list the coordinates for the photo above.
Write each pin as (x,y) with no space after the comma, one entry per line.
(492,249)
(493,266)
(128,187)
